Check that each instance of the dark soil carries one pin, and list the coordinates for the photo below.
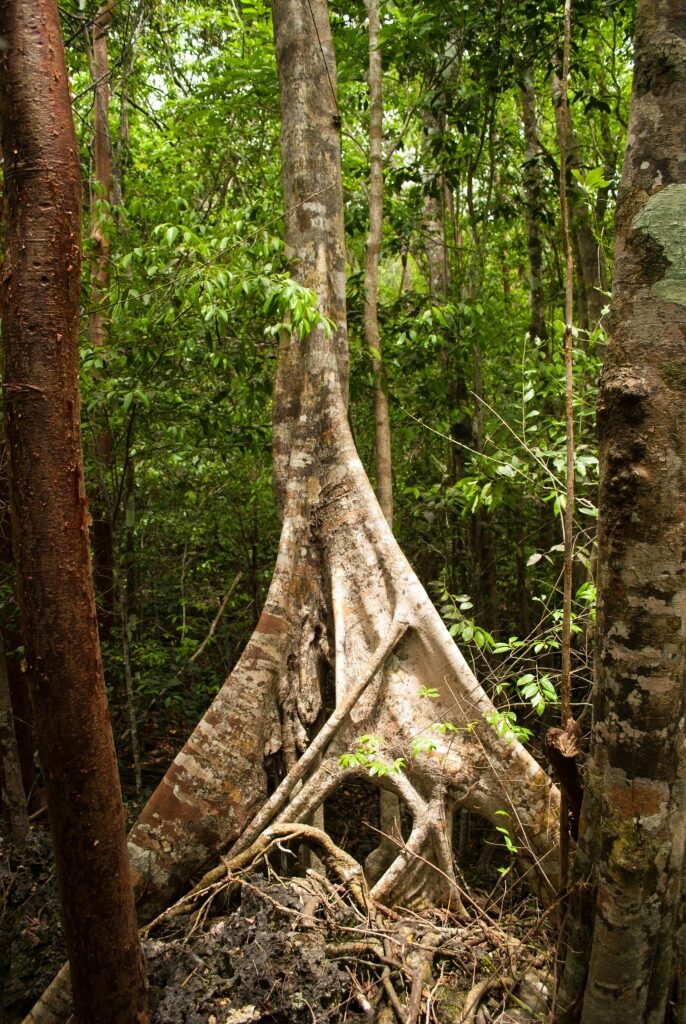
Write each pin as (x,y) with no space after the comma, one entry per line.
(31,943)
(254,954)
(247,965)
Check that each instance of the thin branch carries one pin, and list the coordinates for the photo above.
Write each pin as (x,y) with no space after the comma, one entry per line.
(215,621)
(563,129)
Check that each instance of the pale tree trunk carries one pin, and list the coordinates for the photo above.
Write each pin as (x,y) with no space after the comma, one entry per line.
(382,425)
(621,948)
(433,220)
(40,302)
(344,613)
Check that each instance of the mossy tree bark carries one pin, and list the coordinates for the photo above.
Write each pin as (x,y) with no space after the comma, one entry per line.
(50,517)
(621,935)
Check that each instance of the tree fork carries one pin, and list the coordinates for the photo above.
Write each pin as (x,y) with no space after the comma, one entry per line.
(341,586)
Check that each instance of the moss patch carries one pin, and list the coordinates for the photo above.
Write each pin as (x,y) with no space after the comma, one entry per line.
(674,374)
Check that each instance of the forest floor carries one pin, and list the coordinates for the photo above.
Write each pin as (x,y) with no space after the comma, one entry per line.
(279,942)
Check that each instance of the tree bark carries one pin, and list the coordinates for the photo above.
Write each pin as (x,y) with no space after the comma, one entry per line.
(50,517)
(382,425)
(621,948)
(13,644)
(345,614)
(13,798)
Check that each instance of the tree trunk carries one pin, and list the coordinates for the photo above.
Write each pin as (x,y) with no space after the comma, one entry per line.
(382,425)
(621,933)
(13,798)
(346,621)
(50,517)
(103,540)
(13,644)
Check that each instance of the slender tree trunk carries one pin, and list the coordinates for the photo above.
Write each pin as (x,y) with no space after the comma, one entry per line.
(564,133)
(591,275)
(103,539)
(50,516)
(621,949)
(433,219)
(382,425)
(533,185)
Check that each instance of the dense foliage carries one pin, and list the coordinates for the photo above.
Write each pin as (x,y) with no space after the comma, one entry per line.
(199,291)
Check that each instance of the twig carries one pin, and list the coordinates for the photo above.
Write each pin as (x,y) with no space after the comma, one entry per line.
(392,995)
(215,621)
(421,974)
(477,993)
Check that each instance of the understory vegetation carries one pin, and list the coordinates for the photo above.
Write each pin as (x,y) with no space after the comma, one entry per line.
(188,293)
(200,289)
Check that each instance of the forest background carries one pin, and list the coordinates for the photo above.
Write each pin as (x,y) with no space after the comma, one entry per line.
(187,290)
(471,302)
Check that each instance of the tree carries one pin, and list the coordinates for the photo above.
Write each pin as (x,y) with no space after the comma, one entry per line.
(382,431)
(346,625)
(621,948)
(101,199)
(50,514)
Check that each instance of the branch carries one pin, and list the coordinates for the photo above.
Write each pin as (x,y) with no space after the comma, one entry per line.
(215,622)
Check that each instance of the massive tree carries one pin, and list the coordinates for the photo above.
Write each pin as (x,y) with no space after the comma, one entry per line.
(40,307)
(621,947)
(348,641)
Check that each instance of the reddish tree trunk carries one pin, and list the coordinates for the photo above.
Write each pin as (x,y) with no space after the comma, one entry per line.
(50,517)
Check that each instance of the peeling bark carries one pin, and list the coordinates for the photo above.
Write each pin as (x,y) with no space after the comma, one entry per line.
(621,949)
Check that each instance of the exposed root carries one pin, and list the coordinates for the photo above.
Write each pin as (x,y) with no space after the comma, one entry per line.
(323,738)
